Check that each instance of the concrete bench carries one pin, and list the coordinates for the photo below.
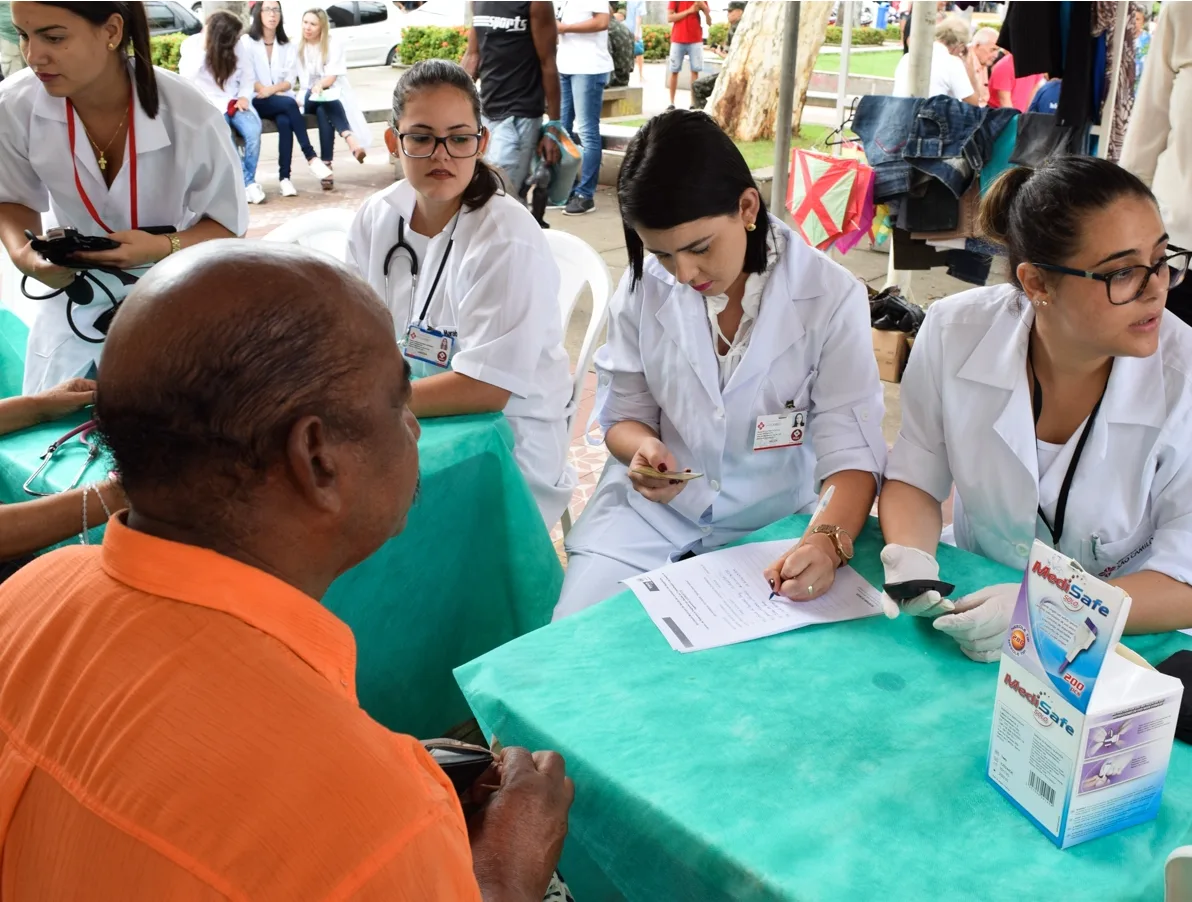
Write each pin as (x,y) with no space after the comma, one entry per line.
(268,126)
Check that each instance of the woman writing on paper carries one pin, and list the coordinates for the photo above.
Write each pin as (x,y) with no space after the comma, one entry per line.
(470,280)
(323,71)
(718,343)
(1058,406)
(96,137)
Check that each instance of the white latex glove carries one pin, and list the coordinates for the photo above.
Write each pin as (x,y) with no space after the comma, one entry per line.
(904,564)
(980,620)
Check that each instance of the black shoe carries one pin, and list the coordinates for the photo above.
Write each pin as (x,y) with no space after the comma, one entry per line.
(670,108)
(578,205)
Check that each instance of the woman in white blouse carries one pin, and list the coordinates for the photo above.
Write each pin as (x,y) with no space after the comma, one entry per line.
(274,62)
(215,63)
(323,71)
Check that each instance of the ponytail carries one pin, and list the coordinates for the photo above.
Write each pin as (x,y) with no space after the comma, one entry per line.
(135,44)
(998,202)
(484,185)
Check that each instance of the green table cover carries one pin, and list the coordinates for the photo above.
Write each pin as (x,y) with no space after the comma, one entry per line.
(841,762)
(473,569)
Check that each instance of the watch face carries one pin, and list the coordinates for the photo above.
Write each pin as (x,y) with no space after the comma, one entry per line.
(846,543)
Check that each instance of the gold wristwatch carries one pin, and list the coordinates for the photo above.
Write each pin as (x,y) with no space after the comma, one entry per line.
(841,541)
(175,243)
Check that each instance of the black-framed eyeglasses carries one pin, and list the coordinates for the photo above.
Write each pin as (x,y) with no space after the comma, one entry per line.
(420,146)
(1122,286)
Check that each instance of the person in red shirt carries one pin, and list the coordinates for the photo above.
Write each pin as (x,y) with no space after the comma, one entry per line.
(1005,90)
(687,40)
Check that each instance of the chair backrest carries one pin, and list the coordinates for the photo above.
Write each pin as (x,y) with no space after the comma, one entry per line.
(320,230)
(580,265)
(1177,875)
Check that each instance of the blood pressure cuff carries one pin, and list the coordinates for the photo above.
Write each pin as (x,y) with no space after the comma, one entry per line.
(1179,666)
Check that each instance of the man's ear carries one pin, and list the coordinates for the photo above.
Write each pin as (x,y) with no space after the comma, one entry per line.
(314,465)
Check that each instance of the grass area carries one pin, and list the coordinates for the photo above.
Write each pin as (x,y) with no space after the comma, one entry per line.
(760,153)
(878,62)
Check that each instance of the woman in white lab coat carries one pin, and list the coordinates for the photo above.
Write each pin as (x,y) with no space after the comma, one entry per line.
(1059,407)
(218,64)
(323,71)
(109,146)
(470,280)
(735,351)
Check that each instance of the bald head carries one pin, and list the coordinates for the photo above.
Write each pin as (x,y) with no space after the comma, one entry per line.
(218,351)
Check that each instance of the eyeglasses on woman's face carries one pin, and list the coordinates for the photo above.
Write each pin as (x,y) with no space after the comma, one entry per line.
(419,145)
(1123,286)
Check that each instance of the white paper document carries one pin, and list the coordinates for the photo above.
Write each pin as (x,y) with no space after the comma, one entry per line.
(721,598)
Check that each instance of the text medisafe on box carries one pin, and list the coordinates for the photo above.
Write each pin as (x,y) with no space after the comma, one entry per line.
(1082,727)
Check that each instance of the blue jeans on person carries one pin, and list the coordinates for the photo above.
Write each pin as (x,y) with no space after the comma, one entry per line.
(248,126)
(332,119)
(581,98)
(283,110)
(511,145)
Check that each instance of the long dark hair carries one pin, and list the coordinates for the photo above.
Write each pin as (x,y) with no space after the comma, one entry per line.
(223,31)
(256,30)
(680,167)
(430,74)
(136,43)
(1036,214)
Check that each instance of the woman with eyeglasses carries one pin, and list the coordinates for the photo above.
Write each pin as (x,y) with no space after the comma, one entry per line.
(274,59)
(469,278)
(1058,406)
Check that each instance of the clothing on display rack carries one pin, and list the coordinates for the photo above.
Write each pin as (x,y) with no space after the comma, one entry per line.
(1055,39)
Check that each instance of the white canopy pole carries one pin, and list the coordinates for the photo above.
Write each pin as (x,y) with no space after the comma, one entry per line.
(846,46)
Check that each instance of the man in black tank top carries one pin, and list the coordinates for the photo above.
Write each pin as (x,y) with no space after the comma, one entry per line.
(511,48)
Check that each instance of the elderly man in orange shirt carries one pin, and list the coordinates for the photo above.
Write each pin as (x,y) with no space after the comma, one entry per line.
(178,713)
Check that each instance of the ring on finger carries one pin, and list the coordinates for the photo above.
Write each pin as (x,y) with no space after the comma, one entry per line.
(811,589)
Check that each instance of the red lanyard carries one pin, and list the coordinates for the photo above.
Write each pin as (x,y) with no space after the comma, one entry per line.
(132,164)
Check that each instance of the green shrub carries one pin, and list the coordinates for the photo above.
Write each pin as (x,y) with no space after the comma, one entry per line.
(893,33)
(432,42)
(656,39)
(861,36)
(164,50)
(718,34)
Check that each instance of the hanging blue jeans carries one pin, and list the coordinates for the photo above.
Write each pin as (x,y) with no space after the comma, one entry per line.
(248,126)
(951,140)
(884,125)
(283,110)
(581,98)
(332,119)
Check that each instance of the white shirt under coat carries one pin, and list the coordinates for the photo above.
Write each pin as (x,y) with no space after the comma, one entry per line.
(192,65)
(272,68)
(312,67)
(811,349)
(499,291)
(187,170)
(967,420)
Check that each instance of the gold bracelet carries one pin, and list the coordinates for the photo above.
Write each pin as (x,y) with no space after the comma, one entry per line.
(175,243)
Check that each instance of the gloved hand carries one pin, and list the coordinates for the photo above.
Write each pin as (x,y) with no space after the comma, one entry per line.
(980,620)
(904,564)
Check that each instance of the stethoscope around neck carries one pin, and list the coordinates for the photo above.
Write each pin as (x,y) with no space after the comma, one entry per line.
(412,258)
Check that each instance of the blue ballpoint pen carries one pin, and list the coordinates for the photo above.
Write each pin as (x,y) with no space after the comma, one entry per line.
(820,508)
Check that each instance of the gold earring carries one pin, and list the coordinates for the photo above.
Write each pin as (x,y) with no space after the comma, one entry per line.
(111,46)
(1040,303)
(749,226)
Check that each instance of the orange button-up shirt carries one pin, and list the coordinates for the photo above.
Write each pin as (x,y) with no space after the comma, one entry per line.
(175,725)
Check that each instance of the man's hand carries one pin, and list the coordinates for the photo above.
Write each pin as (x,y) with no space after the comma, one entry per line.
(137,248)
(548,150)
(35,266)
(72,395)
(517,834)
(652,453)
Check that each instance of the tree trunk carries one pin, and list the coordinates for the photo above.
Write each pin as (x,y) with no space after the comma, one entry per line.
(238,9)
(745,99)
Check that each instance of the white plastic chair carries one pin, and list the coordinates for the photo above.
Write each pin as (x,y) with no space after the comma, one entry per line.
(1177,875)
(320,230)
(580,265)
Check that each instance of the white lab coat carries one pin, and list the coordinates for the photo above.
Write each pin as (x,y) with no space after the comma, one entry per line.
(811,347)
(499,291)
(312,67)
(967,419)
(186,170)
(192,65)
(272,70)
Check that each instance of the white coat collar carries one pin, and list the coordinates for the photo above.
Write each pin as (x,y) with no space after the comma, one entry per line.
(401,197)
(151,133)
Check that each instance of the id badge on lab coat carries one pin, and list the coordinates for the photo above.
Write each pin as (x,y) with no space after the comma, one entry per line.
(780,430)
(430,346)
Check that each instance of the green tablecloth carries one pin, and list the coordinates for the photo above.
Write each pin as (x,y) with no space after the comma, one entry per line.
(473,569)
(843,762)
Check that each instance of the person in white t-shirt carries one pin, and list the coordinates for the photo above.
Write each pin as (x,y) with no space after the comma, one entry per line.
(584,65)
(949,75)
